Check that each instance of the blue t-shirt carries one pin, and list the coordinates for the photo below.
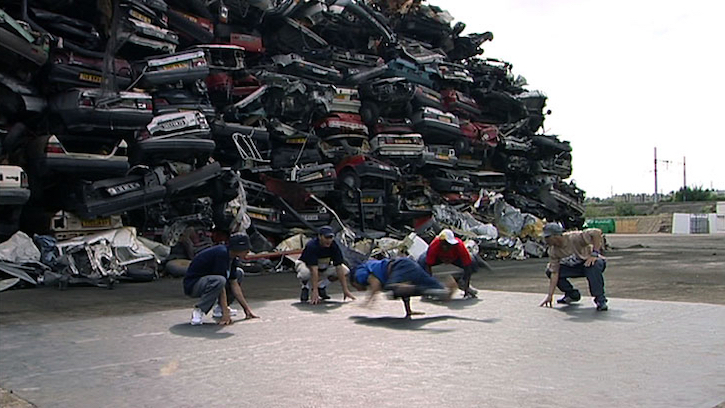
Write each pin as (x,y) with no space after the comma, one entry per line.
(379,269)
(315,254)
(211,261)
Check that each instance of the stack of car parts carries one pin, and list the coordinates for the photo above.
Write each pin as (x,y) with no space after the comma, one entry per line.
(378,110)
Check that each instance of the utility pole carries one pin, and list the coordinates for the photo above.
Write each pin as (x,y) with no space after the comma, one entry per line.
(656,198)
(684,179)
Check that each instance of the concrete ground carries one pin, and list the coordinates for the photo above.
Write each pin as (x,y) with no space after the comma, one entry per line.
(662,343)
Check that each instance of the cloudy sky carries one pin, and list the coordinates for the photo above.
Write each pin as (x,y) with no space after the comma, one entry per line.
(622,77)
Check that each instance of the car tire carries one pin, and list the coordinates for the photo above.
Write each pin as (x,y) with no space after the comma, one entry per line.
(369,112)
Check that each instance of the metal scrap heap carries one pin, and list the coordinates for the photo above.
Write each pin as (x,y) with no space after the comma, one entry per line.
(270,116)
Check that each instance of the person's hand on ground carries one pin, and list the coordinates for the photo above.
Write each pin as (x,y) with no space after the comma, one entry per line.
(546,302)
(226,319)
(314,298)
(250,315)
(346,295)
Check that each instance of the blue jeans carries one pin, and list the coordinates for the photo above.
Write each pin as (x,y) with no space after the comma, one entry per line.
(406,270)
(594,275)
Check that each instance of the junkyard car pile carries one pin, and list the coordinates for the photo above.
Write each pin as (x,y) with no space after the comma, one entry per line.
(374,114)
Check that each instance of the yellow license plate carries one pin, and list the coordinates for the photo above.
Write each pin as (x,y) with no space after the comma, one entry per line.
(444,119)
(178,65)
(139,16)
(96,79)
(298,140)
(368,200)
(258,216)
(441,157)
(96,223)
(342,97)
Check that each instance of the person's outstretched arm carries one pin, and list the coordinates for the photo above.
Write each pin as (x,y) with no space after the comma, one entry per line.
(314,279)
(226,317)
(239,295)
(554,267)
(343,282)
(375,287)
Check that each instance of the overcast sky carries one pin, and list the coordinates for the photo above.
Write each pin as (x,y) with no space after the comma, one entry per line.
(622,77)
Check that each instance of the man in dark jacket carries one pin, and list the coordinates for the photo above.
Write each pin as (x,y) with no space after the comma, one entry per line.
(321,258)
(212,273)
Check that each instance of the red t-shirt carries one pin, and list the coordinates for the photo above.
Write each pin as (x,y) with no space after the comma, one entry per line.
(436,254)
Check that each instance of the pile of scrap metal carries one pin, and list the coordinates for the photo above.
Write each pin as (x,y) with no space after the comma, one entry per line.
(159,114)
(100,259)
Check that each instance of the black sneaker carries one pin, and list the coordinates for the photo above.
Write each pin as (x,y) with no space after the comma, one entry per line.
(601,305)
(304,295)
(566,300)
(322,292)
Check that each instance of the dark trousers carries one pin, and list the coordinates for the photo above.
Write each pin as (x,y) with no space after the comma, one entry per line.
(463,278)
(594,275)
(208,288)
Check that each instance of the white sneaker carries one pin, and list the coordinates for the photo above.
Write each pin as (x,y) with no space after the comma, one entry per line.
(217,313)
(196,316)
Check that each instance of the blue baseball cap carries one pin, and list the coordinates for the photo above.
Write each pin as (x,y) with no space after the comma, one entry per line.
(326,231)
(239,242)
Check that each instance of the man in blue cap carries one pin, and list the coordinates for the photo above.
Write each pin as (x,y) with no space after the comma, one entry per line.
(404,277)
(575,254)
(321,257)
(213,276)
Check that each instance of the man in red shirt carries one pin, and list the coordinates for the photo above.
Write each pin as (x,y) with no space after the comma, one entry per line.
(446,248)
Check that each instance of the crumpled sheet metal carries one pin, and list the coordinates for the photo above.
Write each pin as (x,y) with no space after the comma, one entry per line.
(106,253)
(19,248)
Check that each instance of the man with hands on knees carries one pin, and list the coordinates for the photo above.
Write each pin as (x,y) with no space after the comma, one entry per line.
(213,276)
(321,258)
(575,254)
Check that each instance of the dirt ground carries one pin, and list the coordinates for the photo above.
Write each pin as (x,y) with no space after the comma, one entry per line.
(683,268)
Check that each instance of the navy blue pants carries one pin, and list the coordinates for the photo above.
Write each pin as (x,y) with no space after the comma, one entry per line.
(594,275)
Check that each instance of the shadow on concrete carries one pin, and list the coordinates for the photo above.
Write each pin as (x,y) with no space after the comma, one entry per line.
(455,304)
(584,314)
(207,330)
(415,323)
(323,307)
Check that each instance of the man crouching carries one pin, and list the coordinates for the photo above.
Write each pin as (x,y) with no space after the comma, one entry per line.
(211,274)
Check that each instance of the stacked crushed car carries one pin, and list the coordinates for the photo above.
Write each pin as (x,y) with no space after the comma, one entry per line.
(369,112)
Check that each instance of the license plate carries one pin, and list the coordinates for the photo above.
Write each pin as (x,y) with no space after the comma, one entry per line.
(97,223)
(173,124)
(319,71)
(139,16)
(368,200)
(342,97)
(258,216)
(96,79)
(445,119)
(442,157)
(178,65)
(310,217)
(123,188)
(298,140)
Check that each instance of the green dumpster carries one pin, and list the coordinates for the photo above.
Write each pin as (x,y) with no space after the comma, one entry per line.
(607,225)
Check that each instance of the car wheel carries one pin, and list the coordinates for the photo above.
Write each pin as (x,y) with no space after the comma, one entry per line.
(369,112)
